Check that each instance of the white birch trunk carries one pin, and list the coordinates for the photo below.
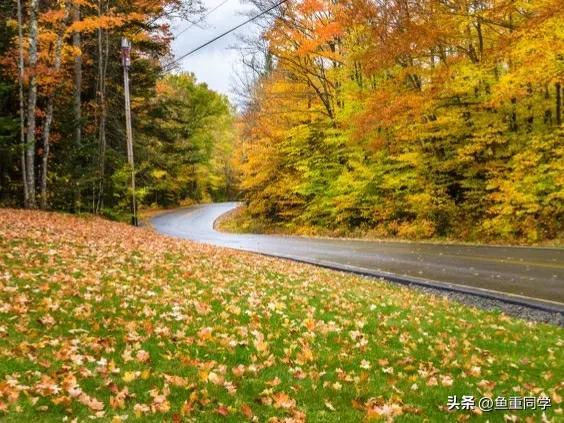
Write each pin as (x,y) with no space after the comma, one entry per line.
(31,103)
(48,122)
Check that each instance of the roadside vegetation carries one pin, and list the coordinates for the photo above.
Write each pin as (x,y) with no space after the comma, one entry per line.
(396,119)
(241,221)
(62,131)
(415,120)
(102,319)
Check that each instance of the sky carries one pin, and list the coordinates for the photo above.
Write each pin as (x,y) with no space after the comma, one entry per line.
(216,63)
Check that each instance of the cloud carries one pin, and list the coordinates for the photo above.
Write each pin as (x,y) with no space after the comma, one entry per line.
(213,64)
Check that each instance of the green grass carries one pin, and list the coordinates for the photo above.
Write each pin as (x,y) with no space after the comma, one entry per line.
(157,329)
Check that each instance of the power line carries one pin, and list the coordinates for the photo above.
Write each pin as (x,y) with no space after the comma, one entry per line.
(201,19)
(207,43)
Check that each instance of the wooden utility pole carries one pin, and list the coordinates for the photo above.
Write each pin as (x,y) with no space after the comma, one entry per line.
(126,60)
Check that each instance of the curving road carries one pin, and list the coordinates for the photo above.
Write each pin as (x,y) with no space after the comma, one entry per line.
(533,276)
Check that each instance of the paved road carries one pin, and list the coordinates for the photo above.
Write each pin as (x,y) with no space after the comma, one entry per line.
(513,272)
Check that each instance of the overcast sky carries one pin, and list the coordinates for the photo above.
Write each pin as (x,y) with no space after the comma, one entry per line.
(215,63)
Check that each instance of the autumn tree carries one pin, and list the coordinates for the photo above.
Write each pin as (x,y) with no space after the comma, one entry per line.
(71,76)
(410,119)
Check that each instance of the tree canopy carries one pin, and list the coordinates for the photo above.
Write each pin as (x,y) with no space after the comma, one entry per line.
(410,119)
(67,149)
(413,119)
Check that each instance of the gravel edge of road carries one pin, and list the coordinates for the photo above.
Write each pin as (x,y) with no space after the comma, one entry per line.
(490,304)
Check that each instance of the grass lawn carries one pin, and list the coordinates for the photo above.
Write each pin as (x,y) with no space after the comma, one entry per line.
(98,319)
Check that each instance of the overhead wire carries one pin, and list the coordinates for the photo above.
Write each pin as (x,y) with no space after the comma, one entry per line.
(201,19)
(229,31)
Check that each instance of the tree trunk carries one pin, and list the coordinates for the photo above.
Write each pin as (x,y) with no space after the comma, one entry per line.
(77,77)
(76,106)
(47,124)
(22,106)
(513,117)
(32,101)
(558,87)
(102,65)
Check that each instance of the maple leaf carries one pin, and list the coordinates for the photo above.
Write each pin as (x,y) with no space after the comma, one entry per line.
(238,371)
(475,371)
(130,376)
(47,386)
(215,378)
(91,402)
(274,382)
(176,380)
(47,320)
(376,408)
(222,410)
(247,411)
(283,400)
(118,400)
(446,380)
(142,356)
(205,334)
(140,409)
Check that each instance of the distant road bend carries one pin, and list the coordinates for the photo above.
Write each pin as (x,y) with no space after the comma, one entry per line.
(522,275)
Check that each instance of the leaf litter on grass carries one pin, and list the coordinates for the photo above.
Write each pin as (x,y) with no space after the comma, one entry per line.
(101,320)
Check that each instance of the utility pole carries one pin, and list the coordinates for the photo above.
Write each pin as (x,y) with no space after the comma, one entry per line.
(126,60)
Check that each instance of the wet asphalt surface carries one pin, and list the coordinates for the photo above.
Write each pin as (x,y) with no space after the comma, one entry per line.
(537,273)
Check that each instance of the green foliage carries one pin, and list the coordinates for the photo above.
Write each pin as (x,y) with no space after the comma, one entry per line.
(182,131)
(185,142)
(9,126)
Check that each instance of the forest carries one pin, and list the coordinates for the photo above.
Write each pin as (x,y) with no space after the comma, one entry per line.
(380,118)
(408,119)
(62,124)
(436,120)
